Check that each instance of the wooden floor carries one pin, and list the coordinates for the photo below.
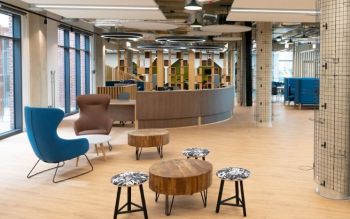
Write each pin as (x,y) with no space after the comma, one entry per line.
(279,187)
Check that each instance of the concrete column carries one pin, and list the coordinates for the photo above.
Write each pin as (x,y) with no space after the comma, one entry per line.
(191,70)
(160,68)
(332,122)
(239,74)
(263,105)
(128,55)
(38,61)
(99,61)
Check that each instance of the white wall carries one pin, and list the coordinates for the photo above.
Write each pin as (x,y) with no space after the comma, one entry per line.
(52,56)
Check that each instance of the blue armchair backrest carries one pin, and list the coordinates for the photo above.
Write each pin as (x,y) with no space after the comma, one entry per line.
(41,124)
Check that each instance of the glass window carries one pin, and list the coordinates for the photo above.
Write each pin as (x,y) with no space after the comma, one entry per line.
(72,78)
(6,25)
(6,86)
(59,76)
(10,74)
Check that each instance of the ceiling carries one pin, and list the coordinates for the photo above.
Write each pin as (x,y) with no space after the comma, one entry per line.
(171,14)
(273,4)
(104,14)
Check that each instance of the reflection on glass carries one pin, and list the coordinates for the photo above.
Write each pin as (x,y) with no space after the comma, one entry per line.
(6,86)
(72,82)
(59,81)
(6,25)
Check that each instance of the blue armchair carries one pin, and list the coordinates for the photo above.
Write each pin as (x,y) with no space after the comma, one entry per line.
(42,126)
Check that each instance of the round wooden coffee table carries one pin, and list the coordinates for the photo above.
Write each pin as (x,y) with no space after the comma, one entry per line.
(180,177)
(148,138)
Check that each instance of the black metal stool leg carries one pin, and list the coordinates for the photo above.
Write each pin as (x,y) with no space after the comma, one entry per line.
(203,158)
(116,209)
(237,192)
(143,202)
(243,200)
(220,196)
(129,199)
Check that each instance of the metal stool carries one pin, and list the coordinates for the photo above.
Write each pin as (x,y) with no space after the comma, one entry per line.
(196,153)
(129,179)
(237,175)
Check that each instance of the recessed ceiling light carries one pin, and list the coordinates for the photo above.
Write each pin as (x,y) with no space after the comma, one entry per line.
(275,11)
(96,7)
(193,6)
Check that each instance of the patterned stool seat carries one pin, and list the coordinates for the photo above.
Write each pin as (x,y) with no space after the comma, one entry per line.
(195,152)
(237,175)
(233,173)
(129,179)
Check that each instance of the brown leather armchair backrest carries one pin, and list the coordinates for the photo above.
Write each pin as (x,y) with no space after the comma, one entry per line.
(93,114)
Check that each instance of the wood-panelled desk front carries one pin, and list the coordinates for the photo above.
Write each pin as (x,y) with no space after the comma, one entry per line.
(122,110)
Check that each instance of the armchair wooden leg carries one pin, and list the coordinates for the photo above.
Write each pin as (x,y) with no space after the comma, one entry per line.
(96,149)
(103,151)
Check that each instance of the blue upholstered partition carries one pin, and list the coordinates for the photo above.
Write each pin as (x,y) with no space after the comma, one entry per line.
(289,88)
(307,91)
(304,91)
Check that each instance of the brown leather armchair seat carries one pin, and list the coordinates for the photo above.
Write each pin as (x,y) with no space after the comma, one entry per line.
(94,118)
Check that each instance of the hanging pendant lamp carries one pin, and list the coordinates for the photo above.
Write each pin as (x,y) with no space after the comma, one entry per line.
(193,6)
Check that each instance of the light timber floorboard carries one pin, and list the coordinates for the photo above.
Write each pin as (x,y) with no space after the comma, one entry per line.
(277,187)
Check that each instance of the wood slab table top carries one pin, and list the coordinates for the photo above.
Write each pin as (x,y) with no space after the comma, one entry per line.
(148,137)
(180,176)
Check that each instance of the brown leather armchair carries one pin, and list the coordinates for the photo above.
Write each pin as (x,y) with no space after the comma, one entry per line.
(94,118)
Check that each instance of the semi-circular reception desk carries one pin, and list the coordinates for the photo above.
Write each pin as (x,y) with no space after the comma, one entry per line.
(166,109)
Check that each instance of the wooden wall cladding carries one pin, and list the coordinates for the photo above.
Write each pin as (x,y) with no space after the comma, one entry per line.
(167,105)
(183,108)
(113,92)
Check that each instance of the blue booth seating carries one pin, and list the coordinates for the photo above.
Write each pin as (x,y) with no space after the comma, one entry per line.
(289,89)
(307,91)
(302,91)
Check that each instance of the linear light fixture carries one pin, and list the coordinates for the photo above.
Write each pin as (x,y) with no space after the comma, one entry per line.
(274,11)
(97,7)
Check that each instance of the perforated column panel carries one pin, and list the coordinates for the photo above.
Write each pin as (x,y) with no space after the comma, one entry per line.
(239,87)
(332,120)
(263,105)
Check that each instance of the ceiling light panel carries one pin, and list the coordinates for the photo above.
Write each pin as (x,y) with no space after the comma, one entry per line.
(146,25)
(97,9)
(276,4)
(270,17)
(269,11)
(226,28)
(110,14)
(94,2)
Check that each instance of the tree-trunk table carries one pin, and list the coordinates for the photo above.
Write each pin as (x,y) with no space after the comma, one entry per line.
(180,177)
(148,138)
